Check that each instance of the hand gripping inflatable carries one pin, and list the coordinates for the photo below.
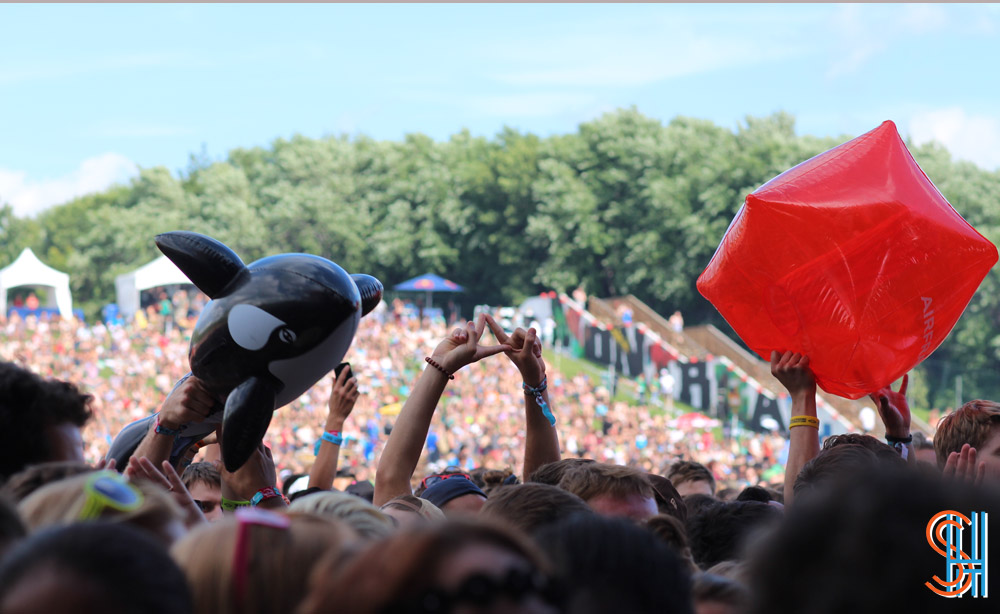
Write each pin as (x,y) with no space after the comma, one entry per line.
(271,331)
(853,258)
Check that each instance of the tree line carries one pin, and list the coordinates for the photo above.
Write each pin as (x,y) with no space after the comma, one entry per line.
(626,204)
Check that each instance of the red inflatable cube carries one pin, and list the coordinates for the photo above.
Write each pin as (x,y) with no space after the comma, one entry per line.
(853,258)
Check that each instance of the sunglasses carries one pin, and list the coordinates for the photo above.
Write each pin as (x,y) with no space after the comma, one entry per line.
(431,480)
(482,590)
(108,490)
(249,517)
(207,507)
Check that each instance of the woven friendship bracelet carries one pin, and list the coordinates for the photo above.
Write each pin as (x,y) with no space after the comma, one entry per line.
(537,393)
(803,421)
(438,367)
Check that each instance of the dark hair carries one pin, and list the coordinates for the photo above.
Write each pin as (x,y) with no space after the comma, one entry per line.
(843,459)
(690,471)
(11,527)
(721,532)
(754,493)
(710,588)
(696,504)
(490,479)
(860,546)
(552,473)
(882,450)
(28,406)
(668,500)
(613,565)
(529,507)
(28,480)
(128,569)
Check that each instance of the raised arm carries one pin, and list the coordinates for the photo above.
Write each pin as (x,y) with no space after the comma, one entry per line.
(190,402)
(402,449)
(895,414)
(342,399)
(541,445)
(792,370)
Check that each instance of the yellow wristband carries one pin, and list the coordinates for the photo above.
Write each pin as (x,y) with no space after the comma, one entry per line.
(803,421)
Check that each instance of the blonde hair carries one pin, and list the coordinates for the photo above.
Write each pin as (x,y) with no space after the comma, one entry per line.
(353,511)
(278,566)
(421,507)
(60,503)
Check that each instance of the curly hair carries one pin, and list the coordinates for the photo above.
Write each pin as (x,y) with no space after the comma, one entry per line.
(29,405)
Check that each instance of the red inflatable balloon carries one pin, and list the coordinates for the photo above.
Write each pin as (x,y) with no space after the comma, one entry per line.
(853,258)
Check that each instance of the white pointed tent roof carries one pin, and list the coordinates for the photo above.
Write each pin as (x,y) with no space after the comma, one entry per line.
(160,272)
(28,270)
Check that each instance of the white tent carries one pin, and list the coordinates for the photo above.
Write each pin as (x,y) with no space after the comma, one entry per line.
(28,270)
(160,272)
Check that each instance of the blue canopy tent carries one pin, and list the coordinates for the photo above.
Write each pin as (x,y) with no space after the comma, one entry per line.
(429,283)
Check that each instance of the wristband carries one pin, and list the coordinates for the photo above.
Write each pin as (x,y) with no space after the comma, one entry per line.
(894,440)
(333,437)
(264,494)
(804,421)
(228,505)
(537,393)
(429,361)
(162,430)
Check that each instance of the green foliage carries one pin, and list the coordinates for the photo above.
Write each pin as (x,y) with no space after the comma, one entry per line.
(626,204)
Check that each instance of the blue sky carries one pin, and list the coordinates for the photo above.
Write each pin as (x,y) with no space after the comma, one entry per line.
(88,92)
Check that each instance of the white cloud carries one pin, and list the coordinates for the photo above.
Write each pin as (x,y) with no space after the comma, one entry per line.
(29,197)
(970,137)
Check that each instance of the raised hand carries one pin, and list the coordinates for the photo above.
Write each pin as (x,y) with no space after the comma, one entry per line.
(525,352)
(189,402)
(343,396)
(962,465)
(893,409)
(143,469)
(792,370)
(257,473)
(462,347)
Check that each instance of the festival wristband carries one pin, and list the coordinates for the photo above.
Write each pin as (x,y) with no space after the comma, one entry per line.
(536,392)
(264,494)
(804,421)
(333,437)
(229,505)
(894,440)
(162,430)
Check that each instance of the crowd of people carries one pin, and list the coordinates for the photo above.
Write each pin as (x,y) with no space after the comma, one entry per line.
(131,366)
(453,469)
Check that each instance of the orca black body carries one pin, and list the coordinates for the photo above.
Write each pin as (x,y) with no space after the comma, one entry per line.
(271,331)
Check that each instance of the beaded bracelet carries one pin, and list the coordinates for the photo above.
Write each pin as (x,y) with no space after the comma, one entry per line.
(536,392)
(429,361)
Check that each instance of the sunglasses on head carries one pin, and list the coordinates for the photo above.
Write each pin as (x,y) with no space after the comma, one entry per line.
(108,490)
(249,517)
(431,480)
(482,590)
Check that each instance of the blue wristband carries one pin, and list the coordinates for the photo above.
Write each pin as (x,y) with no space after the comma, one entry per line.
(162,430)
(333,437)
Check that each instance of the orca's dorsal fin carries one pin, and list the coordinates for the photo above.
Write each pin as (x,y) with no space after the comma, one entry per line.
(248,413)
(371,292)
(209,264)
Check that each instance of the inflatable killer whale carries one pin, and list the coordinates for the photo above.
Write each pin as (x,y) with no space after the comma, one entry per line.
(271,331)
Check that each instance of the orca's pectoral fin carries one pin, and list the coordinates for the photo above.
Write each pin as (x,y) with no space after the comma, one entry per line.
(209,264)
(371,292)
(248,413)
